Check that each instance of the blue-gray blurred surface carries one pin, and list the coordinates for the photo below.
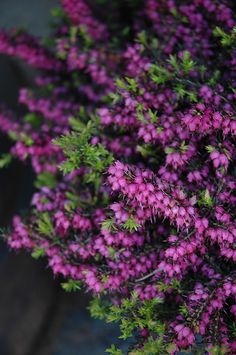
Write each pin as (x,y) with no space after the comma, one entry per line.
(33,15)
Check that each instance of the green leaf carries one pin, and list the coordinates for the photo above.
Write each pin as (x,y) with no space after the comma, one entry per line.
(159,75)
(120,84)
(38,253)
(57,12)
(74,200)
(184,310)
(76,124)
(187,63)
(108,224)
(127,328)
(142,38)
(79,152)
(71,285)
(192,96)
(169,150)
(5,160)
(131,224)
(45,225)
(46,179)
(163,287)
(98,309)
(210,148)
(226,39)
(140,117)
(174,63)
(174,11)
(183,147)
(153,116)
(13,135)
(215,78)
(146,150)
(27,140)
(88,40)
(151,347)
(73,33)
(205,198)
(33,119)
(218,350)
(125,31)
(180,90)
(114,351)
(115,98)
(175,284)
(132,84)
(233,329)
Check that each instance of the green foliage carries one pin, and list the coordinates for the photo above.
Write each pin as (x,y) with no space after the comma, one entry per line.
(146,150)
(131,314)
(78,123)
(153,116)
(57,12)
(184,310)
(109,224)
(174,62)
(88,40)
(5,160)
(218,350)
(46,179)
(115,97)
(74,200)
(226,39)
(132,84)
(73,33)
(33,119)
(140,114)
(98,309)
(205,198)
(142,38)
(79,152)
(38,253)
(159,75)
(210,148)
(169,150)
(28,141)
(215,78)
(183,92)
(152,347)
(177,74)
(13,136)
(163,287)
(131,224)
(71,285)
(187,64)
(45,225)
(112,252)
(183,147)
(233,329)
(129,84)
(120,84)
(192,96)
(175,284)
(114,351)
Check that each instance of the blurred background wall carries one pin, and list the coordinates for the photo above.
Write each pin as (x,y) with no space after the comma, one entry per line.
(36,316)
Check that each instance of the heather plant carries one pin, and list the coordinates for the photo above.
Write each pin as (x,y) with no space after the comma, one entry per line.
(131,133)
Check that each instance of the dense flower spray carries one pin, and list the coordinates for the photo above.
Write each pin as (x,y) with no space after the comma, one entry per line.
(131,133)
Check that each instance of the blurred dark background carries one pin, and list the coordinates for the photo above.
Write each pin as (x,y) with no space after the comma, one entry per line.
(36,316)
